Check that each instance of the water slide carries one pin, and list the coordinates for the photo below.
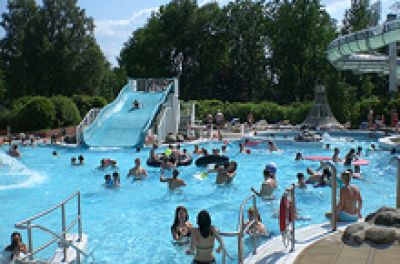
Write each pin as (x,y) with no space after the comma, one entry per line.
(355,51)
(118,125)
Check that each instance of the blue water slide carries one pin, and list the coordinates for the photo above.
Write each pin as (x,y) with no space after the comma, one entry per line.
(119,125)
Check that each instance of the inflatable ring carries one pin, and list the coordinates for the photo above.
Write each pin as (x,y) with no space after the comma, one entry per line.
(211,159)
(153,163)
(286,216)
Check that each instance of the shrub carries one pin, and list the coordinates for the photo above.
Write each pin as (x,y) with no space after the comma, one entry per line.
(20,102)
(85,103)
(38,113)
(67,113)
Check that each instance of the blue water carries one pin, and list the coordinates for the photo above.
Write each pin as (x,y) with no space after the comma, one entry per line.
(132,224)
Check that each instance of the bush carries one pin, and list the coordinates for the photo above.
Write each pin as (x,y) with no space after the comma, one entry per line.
(67,113)
(38,113)
(85,103)
(20,102)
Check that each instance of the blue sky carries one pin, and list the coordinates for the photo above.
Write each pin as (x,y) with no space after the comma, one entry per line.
(115,20)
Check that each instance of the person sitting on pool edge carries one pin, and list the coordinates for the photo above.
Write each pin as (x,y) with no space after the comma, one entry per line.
(16,247)
(269,184)
(350,203)
(254,228)
(174,182)
(181,228)
(203,240)
(137,172)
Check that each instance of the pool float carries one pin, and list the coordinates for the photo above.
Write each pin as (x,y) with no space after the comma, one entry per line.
(185,160)
(153,163)
(157,163)
(252,143)
(211,159)
(360,162)
(317,158)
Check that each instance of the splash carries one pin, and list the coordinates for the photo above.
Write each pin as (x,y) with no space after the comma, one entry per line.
(22,176)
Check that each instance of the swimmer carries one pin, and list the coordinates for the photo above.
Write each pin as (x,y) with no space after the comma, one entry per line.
(223,149)
(137,149)
(299,156)
(108,181)
(116,179)
(327,146)
(226,173)
(174,182)
(357,172)
(350,156)
(197,150)
(54,153)
(321,183)
(73,161)
(181,228)
(153,155)
(335,157)
(272,147)
(137,172)
(241,148)
(81,159)
(300,181)
(359,151)
(14,151)
(255,227)
(269,184)
(393,151)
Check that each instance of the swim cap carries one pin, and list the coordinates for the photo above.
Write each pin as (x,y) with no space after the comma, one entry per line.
(271,167)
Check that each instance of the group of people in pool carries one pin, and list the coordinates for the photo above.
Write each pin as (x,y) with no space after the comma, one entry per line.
(201,239)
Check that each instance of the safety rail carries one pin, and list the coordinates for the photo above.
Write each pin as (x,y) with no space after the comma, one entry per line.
(288,235)
(62,237)
(87,121)
(241,230)
(332,168)
(162,127)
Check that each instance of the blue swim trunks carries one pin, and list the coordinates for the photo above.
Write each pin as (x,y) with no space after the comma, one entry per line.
(346,217)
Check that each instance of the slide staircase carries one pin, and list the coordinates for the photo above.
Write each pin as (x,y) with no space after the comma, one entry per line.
(118,125)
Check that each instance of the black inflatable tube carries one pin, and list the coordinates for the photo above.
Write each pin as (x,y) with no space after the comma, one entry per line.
(157,163)
(211,159)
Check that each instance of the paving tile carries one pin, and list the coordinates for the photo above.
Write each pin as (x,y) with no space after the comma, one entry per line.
(318,259)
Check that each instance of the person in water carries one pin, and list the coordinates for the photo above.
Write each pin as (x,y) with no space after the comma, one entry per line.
(73,161)
(116,179)
(256,227)
(181,228)
(203,240)
(225,173)
(197,150)
(137,172)
(135,104)
(300,181)
(314,177)
(350,156)
(335,157)
(81,159)
(299,156)
(350,203)
(174,182)
(153,155)
(108,181)
(16,247)
(269,184)
(14,152)
(272,147)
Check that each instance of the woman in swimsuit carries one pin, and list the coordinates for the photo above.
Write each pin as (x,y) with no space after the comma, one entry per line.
(203,239)
(181,228)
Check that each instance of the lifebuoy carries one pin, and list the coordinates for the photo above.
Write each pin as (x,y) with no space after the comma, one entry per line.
(285,214)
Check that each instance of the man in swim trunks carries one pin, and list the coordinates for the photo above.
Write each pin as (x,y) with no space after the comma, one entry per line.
(350,204)
(335,157)
(350,156)
(269,183)
(137,172)
(174,182)
(272,147)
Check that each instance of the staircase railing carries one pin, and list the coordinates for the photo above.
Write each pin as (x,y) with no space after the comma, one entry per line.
(242,229)
(28,225)
(87,121)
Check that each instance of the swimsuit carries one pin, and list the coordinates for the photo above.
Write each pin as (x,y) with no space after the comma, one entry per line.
(346,217)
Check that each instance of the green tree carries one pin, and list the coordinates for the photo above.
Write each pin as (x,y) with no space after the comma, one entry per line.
(38,113)
(356,18)
(67,114)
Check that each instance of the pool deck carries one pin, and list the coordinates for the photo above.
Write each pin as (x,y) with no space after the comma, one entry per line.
(331,250)
(317,244)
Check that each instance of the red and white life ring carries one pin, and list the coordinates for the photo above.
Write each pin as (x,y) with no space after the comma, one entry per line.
(285,214)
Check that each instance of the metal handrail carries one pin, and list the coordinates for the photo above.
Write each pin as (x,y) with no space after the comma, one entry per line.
(241,230)
(290,191)
(332,167)
(27,225)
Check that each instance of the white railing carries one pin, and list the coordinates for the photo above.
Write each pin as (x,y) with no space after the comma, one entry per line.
(332,168)
(28,225)
(87,121)
(162,127)
(108,110)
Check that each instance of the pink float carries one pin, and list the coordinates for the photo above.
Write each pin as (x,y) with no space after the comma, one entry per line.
(317,158)
(252,143)
(360,162)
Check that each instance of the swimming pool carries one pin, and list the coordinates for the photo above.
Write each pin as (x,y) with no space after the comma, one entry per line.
(132,224)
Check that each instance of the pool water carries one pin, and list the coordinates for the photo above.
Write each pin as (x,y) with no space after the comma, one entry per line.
(132,224)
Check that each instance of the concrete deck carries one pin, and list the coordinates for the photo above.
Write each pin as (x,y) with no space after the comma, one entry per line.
(331,250)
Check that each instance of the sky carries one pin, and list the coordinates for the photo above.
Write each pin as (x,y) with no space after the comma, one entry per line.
(115,20)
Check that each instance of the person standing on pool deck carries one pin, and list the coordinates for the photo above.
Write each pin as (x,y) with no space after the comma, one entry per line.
(219,119)
(174,182)
(350,203)
(203,240)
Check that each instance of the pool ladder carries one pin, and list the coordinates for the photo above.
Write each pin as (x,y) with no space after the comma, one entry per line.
(28,225)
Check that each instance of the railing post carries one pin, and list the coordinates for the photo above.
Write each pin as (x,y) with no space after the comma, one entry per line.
(333,216)
(292,193)
(64,230)
(256,224)
(223,257)
(398,184)
(240,241)
(79,218)
(30,242)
